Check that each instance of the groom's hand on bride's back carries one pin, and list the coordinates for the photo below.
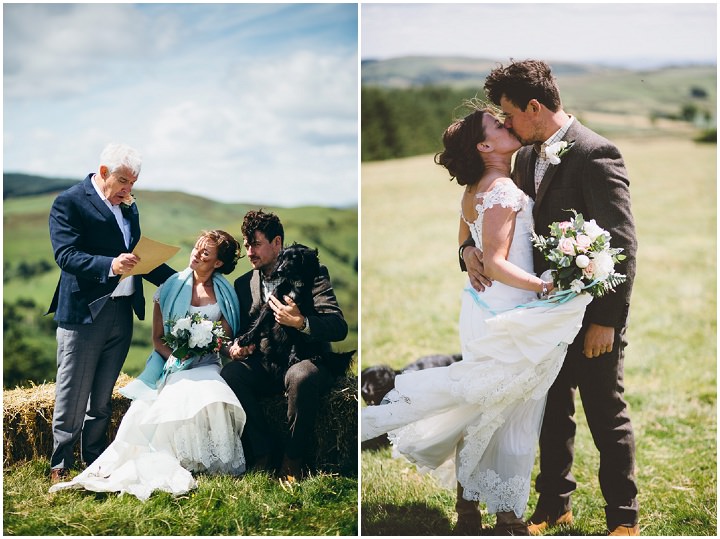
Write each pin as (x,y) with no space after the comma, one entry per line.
(473,258)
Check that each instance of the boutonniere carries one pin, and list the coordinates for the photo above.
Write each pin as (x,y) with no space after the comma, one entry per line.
(128,201)
(556,150)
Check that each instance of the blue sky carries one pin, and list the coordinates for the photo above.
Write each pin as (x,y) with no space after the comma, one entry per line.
(646,34)
(252,103)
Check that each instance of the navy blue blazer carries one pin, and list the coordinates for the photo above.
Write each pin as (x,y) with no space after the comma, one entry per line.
(86,238)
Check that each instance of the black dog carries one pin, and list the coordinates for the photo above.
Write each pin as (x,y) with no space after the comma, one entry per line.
(297,268)
(378,380)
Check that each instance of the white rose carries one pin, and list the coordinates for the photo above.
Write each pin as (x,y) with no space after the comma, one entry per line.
(180,325)
(582,261)
(592,229)
(604,265)
(201,334)
(552,151)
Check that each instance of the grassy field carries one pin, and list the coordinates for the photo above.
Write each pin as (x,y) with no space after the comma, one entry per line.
(254,504)
(410,307)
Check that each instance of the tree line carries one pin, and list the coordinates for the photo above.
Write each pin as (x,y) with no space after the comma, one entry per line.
(399,123)
(405,122)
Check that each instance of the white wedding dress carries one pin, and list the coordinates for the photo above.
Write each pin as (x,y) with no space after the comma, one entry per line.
(480,417)
(192,424)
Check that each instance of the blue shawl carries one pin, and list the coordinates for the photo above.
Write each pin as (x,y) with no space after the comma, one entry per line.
(175,296)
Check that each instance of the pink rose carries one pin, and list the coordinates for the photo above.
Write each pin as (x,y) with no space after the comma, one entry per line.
(565,225)
(583,242)
(567,246)
(589,270)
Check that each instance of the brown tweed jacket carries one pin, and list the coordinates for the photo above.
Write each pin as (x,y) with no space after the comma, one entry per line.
(591,179)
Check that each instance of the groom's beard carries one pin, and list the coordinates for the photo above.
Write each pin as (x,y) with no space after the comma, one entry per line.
(535,135)
(521,141)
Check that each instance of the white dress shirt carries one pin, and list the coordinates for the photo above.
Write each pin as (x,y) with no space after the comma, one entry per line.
(126,287)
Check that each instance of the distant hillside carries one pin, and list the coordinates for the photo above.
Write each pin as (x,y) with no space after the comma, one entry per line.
(406,103)
(410,71)
(584,87)
(22,185)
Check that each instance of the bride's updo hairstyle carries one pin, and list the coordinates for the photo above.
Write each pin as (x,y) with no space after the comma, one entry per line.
(228,249)
(461,157)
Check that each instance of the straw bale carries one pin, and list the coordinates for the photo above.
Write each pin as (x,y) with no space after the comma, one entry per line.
(335,445)
(27,423)
(27,420)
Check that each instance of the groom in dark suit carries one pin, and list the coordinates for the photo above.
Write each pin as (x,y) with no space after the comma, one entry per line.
(251,377)
(589,177)
(94,227)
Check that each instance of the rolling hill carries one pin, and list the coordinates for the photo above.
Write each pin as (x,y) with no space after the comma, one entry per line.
(30,273)
(406,103)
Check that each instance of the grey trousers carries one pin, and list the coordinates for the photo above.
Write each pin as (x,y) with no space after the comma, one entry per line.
(89,359)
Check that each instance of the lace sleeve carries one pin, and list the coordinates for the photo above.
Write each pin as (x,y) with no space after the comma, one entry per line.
(506,194)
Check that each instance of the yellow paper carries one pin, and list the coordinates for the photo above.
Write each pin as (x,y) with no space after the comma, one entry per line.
(151,253)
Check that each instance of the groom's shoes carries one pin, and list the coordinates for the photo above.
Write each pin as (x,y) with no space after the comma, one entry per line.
(626,530)
(291,469)
(540,522)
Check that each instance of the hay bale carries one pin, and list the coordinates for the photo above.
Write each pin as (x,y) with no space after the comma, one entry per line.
(335,448)
(27,423)
(27,420)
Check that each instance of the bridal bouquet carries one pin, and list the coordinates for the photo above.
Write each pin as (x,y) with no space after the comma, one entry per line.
(194,335)
(581,257)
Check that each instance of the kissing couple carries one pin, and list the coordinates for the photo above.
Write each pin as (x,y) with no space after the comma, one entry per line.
(528,340)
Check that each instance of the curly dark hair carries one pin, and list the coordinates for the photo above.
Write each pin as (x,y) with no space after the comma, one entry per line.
(267,223)
(228,248)
(522,81)
(461,157)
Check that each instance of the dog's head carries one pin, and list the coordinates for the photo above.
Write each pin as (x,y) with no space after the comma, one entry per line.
(298,263)
(376,382)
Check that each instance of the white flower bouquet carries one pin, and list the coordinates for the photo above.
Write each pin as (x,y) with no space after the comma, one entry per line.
(581,257)
(194,335)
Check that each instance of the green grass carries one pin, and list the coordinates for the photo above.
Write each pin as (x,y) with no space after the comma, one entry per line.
(254,504)
(410,308)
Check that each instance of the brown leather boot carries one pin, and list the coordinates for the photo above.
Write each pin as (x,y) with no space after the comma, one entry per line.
(59,474)
(290,469)
(540,522)
(469,520)
(626,530)
(509,524)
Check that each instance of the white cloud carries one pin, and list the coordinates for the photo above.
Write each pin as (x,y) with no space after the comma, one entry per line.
(214,108)
(585,32)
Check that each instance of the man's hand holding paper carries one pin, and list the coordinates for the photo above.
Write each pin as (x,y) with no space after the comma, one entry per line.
(149,254)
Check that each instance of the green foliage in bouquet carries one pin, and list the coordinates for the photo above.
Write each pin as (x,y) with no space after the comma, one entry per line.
(580,256)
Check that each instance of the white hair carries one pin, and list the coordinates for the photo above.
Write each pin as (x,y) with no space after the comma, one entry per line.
(116,155)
